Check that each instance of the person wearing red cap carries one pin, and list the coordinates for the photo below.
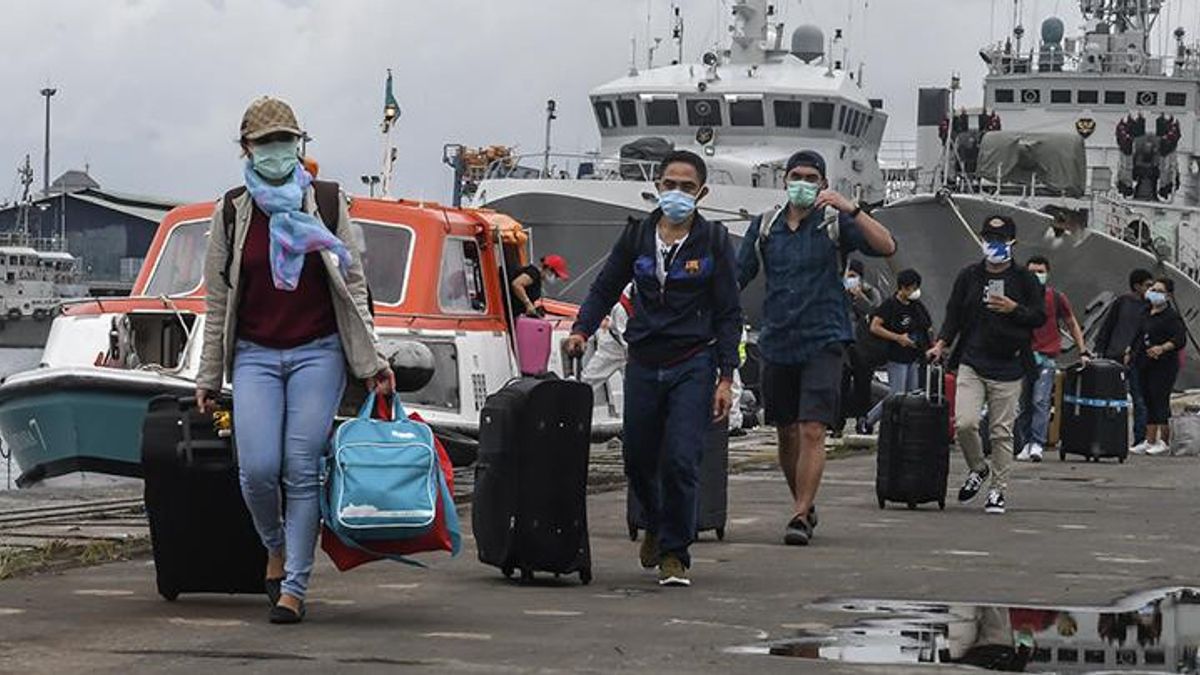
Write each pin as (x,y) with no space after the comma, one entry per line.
(527,282)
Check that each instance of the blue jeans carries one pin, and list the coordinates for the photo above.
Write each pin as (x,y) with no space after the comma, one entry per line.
(668,412)
(902,378)
(1139,405)
(284,401)
(1033,422)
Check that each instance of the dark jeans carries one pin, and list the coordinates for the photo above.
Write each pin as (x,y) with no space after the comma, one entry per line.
(668,411)
(1139,405)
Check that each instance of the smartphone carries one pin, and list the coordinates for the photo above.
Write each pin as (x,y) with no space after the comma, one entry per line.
(995,288)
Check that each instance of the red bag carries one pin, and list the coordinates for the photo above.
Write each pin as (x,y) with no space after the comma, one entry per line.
(951,393)
(437,539)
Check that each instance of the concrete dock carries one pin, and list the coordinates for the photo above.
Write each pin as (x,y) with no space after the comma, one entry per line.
(1076,533)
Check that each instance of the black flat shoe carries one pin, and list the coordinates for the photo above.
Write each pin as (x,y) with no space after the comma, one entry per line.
(284,615)
(274,588)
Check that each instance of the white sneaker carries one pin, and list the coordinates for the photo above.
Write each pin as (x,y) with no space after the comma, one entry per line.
(1140,448)
(1035,452)
(1158,448)
(1025,453)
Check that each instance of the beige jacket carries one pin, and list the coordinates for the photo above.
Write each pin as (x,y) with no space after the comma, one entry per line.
(355,326)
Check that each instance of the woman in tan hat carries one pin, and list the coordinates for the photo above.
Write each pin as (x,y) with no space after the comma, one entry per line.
(287,317)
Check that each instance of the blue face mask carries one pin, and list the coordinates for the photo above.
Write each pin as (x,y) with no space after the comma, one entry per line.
(677,205)
(1156,298)
(275,161)
(802,194)
(997,252)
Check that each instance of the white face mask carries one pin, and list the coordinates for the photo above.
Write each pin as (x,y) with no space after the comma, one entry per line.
(851,283)
(915,295)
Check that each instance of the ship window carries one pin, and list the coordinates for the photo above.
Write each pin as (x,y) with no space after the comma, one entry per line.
(662,113)
(1176,99)
(180,266)
(1114,97)
(1060,95)
(386,252)
(605,114)
(820,116)
(1147,98)
(704,112)
(1087,96)
(746,113)
(461,288)
(627,112)
(842,112)
(1004,96)
(1031,95)
(789,114)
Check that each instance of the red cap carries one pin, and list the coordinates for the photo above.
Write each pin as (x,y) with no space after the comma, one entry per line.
(558,264)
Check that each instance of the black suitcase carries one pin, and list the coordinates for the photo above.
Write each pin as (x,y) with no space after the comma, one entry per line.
(913,458)
(529,509)
(712,505)
(203,538)
(1095,421)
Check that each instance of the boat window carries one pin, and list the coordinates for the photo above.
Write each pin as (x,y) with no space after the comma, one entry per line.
(1004,96)
(1087,96)
(180,266)
(442,391)
(460,290)
(386,251)
(1147,98)
(842,111)
(746,113)
(662,113)
(605,114)
(820,116)
(704,112)
(789,114)
(1031,95)
(1114,97)
(1060,95)
(1176,99)
(627,112)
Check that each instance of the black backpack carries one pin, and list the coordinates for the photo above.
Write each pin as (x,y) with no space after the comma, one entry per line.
(326,193)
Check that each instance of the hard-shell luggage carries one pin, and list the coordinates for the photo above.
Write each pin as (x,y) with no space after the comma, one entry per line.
(712,502)
(1095,421)
(913,458)
(530,503)
(533,344)
(203,538)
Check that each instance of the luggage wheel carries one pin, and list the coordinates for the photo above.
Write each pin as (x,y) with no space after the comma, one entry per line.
(585,576)
(942,504)
(912,506)
(507,572)
(526,576)
(169,596)
(1120,460)
(720,534)
(882,502)
(1062,455)
(633,532)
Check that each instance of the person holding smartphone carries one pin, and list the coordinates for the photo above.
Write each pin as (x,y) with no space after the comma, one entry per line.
(994,308)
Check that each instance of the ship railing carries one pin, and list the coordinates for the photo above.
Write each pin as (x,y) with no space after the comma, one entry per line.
(564,166)
(1082,60)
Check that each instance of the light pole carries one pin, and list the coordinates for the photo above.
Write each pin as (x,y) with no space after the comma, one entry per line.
(551,106)
(47,92)
(371,180)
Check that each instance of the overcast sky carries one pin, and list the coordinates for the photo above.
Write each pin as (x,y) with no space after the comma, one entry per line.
(150,92)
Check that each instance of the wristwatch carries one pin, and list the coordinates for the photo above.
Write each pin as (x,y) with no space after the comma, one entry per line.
(857,210)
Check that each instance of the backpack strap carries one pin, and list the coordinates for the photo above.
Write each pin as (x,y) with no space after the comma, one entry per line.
(766,221)
(228,215)
(327,193)
(831,224)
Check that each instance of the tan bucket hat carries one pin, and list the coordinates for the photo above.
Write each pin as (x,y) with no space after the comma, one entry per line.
(268,115)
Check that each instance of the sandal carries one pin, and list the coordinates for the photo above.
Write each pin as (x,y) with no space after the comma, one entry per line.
(798,532)
(285,615)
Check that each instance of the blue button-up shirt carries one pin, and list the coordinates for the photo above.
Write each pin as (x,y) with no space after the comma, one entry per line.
(805,306)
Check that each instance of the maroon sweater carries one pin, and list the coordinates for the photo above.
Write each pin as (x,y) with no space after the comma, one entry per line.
(276,318)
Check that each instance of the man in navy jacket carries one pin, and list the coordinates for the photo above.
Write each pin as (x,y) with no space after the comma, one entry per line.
(683,336)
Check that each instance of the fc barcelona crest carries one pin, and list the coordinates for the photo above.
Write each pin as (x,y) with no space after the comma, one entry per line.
(692,267)
(1086,126)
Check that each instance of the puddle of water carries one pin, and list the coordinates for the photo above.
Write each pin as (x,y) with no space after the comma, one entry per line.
(1150,632)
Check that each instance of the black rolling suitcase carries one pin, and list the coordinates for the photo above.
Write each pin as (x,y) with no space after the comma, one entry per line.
(712,505)
(529,510)
(1095,420)
(200,529)
(913,459)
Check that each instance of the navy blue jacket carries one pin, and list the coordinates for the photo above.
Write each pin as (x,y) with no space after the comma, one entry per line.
(697,306)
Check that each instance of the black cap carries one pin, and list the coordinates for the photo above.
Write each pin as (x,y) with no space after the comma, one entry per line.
(810,158)
(999,226)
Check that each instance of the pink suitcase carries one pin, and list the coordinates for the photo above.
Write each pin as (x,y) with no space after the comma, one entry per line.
(533,345)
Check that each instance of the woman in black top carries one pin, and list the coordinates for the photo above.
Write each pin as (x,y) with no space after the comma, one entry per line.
(1155,358)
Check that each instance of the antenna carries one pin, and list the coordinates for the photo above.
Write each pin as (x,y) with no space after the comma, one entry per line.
(633,71)
(677,32)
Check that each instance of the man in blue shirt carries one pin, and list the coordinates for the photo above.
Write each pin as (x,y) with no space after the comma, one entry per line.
(683,334)
(806,322)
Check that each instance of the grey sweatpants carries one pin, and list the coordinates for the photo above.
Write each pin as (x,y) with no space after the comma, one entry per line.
(1002,399)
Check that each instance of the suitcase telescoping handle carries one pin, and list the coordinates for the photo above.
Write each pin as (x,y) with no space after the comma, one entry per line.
(575,368)
(932,370)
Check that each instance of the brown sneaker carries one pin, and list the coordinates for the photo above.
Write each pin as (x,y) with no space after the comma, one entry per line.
(671,572)
(648,554)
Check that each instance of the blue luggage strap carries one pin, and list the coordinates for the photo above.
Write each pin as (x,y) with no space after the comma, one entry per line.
(1115,403)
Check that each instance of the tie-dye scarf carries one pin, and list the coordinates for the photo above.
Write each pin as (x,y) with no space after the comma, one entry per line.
(294,233)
